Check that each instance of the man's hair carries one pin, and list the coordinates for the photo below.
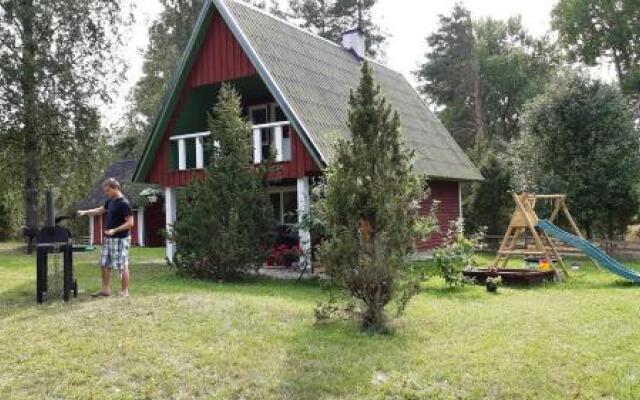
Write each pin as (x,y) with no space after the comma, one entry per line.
(111,183)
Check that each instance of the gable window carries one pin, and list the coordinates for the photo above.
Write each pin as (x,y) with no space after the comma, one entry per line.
(271,133)
(187,152)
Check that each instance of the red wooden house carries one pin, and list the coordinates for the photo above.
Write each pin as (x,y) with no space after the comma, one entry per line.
(148,216)
(295,87)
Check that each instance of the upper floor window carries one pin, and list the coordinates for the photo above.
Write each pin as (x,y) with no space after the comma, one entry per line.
(187,152)
(271,133)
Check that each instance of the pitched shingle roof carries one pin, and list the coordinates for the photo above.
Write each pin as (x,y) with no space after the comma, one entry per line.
(312,77)
(122,171)
(316,76)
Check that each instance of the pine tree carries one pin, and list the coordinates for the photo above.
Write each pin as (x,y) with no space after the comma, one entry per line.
(370,206)
(225,219)
(451,76)
(481,74)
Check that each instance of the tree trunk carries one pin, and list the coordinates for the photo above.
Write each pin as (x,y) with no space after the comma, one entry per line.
(373,318)
(360,15)
(617,62)
(588,231)
(478,120)
(29,116)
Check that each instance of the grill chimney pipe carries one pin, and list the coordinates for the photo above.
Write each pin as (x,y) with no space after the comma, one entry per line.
(51,212)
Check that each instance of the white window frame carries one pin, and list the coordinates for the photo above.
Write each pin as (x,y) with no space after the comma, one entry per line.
(283,153)
(182,149)
(281,191)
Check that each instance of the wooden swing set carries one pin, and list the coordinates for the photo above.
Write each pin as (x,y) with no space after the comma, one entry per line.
(524,221)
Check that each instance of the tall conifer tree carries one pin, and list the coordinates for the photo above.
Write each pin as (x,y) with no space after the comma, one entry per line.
(225,218)
(370,206)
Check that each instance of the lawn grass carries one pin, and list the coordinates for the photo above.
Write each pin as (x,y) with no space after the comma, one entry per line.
(184,339)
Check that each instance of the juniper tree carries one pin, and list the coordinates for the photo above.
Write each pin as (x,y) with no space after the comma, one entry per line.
(490,204)
(225,218)
(370,207)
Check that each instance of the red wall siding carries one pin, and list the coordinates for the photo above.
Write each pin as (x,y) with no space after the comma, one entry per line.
(301,162)
(98,228)
(220,59)
(448,210)
(134,230)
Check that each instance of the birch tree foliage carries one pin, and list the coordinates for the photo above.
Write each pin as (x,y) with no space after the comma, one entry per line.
(58,65)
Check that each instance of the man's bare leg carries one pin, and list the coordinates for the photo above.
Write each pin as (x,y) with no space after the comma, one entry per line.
(106,280)
(124,279)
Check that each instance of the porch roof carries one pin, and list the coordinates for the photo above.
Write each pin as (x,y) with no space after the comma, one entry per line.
(122,171)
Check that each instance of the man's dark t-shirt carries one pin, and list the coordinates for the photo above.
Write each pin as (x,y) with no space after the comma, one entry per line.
(117,211)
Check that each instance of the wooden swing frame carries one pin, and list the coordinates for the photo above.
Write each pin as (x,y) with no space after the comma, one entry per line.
(525,219)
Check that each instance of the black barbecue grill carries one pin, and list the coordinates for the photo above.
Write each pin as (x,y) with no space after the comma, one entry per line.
(54,240)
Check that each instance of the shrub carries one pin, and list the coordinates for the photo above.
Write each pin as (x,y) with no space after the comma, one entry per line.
(456,254)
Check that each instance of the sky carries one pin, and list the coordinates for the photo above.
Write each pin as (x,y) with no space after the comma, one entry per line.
(408,22)
(412,22)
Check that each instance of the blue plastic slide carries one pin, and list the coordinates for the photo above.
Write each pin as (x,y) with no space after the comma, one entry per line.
(590,250)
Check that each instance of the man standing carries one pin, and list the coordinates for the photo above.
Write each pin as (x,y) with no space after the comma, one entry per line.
(115,246)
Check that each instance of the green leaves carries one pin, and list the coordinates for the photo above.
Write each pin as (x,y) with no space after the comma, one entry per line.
(454,256)
(580,139)
(58,65)
(596,29)
(481,73)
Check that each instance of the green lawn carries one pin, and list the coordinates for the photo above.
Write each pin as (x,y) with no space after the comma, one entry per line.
(184,339)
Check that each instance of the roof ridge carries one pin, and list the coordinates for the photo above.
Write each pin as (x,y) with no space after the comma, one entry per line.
(308,32)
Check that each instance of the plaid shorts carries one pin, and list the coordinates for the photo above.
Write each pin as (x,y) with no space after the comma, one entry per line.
(115,253)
